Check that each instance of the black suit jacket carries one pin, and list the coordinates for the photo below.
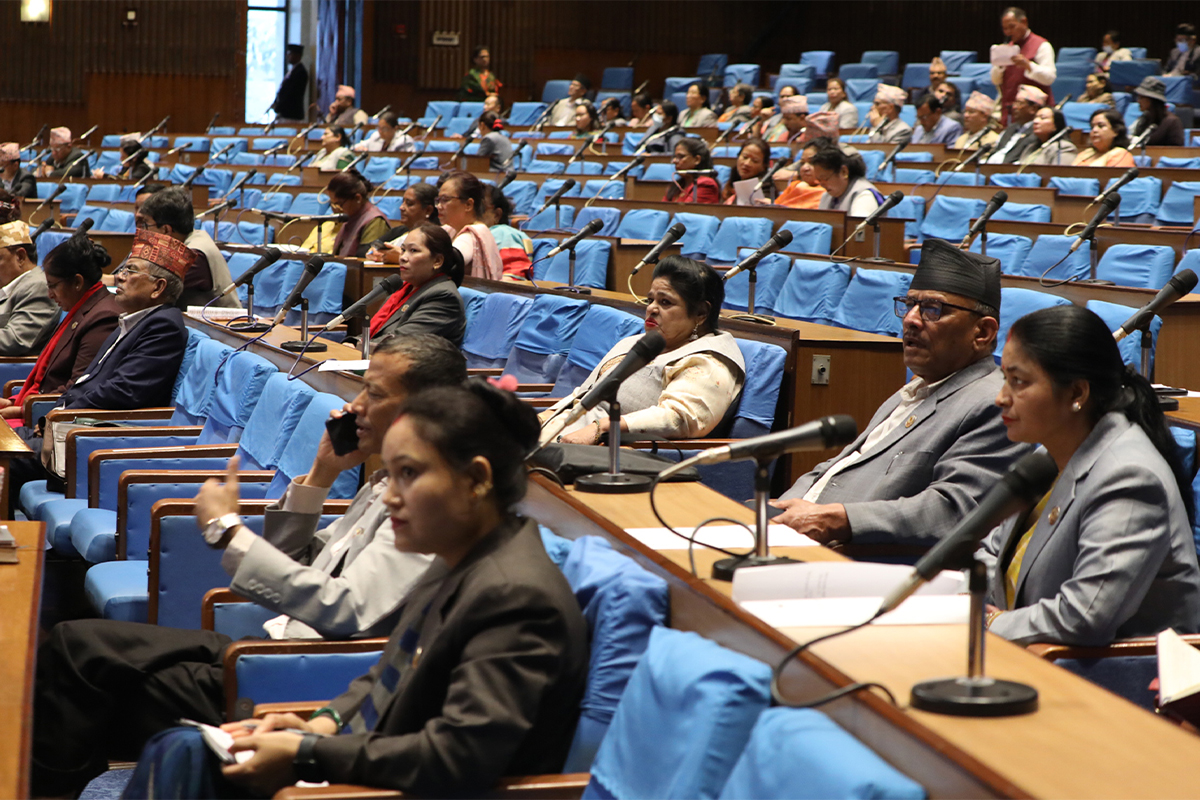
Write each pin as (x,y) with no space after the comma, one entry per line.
(141,369)
(436,307)
(81,341)
(24,184)
(289,101)
(497,685)
(1027,141)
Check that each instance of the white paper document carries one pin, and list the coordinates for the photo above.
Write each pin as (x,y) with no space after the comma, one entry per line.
(333,364)
(747,192)
(1002,54)
(834,593)
(723,536)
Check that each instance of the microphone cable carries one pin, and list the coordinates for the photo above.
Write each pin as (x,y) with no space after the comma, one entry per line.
(691,540)
(777,671)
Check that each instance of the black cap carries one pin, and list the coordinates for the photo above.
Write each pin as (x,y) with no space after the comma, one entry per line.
(583,81)
(945,268)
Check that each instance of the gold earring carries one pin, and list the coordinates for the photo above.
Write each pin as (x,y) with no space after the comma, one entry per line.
(481,491)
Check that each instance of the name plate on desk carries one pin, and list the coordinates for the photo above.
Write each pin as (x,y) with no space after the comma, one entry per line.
(343,366)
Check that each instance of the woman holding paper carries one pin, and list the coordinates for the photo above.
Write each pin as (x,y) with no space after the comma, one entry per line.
(1108,553)
(752,162)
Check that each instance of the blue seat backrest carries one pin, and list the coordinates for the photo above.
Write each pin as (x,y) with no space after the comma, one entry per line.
(446,108)
(888,61)
(861,89)
(103,193)
(685,715)
(95,213)
(1011,179)
(310,203)
(196,389)
(278,201)
(584,168)
(916,75)
(472,301)
(701,228)
(611,217)
(869,304)
(552,185)
(1142,196)
(1165,161)
(789,742)
(658,171)
(1088,187)
(488,342)
(522,194)
(769,276)
(812,291)
(324,294)
(808,237)
(554,90)
(820,60)
(1145,266)
(551,324)
(591,265)
(297,457)
(912,211)
(279,677)
(1177,205)
(552,218)
(380,168)
(760,394)
(280,178)
(950,217)
(622,603)
(643,223)
(1023,212)
(1190,260)
(1049,250)
(525,113)
(736,232)
(1016,303)
(52,239)
(279,408)
(240,382)
(617,78)
(189,355)
(553,149)
(1130,346)
(470,109)
(1079,115)
(1012,250)
(602,327)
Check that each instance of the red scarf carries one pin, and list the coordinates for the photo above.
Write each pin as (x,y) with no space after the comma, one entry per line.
(34,381)
(391,306)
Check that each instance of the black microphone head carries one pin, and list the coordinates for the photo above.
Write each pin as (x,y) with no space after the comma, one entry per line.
(1132,173)
(272,255)
(592,227)
(650,345)
(250,174)
(838,430)
(1112,201)
(85,226)
(1032,475)
(391,283)
(637,162)
(1184,281)
(1000,197)
(783,237)
(677,230)
(314,265)
(568,185)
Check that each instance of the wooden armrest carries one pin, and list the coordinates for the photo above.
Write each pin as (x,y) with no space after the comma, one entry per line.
(541,402)
(211,598)
(98,457)
(284,646)
(9,386)
(535,387)
(485,371)
(109,415)
(1140,646)
(300,709)
(134,476)
(18,359)
(678,444)
(27,408)
(543,787)
(73,451)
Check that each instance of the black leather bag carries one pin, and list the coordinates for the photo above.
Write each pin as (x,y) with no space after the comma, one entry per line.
(570,461)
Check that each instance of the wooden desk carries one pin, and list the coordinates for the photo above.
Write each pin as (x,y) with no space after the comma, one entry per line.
(11,446)
(1082,741)
(1187,415)
(20,602)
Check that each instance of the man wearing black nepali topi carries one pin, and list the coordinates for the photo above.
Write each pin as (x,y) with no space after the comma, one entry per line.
(936,446)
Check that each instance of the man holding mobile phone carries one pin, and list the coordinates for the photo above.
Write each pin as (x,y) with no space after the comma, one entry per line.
(104,687)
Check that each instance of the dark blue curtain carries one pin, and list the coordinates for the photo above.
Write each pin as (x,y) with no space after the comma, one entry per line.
(339,49)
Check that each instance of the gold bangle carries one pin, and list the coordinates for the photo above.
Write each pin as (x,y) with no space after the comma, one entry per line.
(599,433)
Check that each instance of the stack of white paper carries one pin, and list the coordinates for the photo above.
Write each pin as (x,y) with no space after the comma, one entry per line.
(727,537)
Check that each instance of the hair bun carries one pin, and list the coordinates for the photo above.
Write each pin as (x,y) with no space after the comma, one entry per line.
(515,415)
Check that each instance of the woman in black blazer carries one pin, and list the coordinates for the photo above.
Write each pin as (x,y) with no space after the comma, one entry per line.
(482,677)
(429,301)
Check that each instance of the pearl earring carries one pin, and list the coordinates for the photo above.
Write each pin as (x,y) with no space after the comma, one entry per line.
(1076,407)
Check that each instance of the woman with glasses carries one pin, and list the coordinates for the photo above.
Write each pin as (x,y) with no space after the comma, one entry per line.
(349,194)
(1107,553)
(460,207)
(335,152)
(690,186)
(844,179)
(587,120)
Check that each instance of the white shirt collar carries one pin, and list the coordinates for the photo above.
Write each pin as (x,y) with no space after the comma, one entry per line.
(6,290)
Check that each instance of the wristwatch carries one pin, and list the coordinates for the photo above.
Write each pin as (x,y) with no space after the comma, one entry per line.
(219,531)
(305,765)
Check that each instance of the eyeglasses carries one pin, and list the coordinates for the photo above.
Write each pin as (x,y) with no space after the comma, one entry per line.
(443,199)
(931,310)
(125,268)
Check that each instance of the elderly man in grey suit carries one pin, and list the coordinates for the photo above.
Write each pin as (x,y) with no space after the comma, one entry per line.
(936,446)
(104,687)
(27,314)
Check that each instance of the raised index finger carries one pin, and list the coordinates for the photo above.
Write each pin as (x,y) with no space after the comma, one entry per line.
(231,470)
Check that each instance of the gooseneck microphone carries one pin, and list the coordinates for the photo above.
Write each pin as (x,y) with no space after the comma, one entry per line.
(781,238)
(1107,206)
(1019,488)
(889,202)
(268,258)
(1129,175)
(1180,284)
(311,269)
(590,229)
(567,186)
(995,204)
(673,235)
(384,288)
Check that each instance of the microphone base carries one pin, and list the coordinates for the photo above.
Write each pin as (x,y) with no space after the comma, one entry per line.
(248,327)
(877,260)
(296,347)
(571,289)
(608,483)
(723,570)
(1095,282)
(980,697)
(758,318)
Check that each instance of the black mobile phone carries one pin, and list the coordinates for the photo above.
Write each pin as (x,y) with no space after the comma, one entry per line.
(343,433)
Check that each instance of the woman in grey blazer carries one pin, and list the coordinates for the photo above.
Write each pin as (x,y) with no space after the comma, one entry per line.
(428,301)
(1108,553)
